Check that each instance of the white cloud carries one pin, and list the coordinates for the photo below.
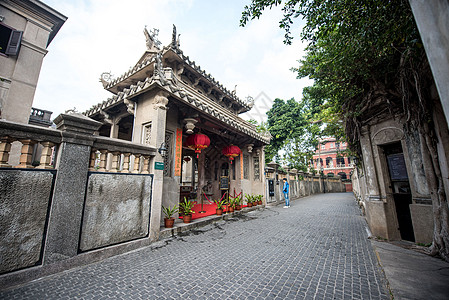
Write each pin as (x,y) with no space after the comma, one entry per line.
(107,35)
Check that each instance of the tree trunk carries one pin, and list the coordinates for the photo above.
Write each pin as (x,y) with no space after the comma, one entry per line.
(440,245)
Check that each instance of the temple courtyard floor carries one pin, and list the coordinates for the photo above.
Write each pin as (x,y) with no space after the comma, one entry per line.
(316,249)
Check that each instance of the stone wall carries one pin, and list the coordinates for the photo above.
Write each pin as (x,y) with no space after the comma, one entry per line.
(301,184)
(25,200)
(73,207)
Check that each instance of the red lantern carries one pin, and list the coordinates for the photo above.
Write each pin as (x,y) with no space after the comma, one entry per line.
(231,151)
(198,142)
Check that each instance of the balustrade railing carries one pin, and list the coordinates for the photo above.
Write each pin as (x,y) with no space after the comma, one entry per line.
(37,146)
(118,156)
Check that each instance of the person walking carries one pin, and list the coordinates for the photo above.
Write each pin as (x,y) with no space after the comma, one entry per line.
(286,189)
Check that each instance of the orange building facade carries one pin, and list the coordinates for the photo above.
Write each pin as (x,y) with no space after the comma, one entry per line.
(330,159)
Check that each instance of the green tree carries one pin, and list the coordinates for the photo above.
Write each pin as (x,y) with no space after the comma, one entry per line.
(366,59)
(292,132)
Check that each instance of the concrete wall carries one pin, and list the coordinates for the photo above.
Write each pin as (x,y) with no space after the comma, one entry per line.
(301,184)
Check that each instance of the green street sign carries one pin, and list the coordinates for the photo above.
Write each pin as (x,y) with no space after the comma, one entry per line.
(158,165)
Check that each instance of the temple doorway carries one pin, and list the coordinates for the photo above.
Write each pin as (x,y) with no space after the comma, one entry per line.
(400,187)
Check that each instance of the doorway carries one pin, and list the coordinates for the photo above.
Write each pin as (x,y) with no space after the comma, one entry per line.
(400,187)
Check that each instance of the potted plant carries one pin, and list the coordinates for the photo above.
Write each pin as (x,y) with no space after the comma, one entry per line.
(249,200)
(259,199)
(169,212)
(220,204)
(231,204)
(186,208)
(238,202)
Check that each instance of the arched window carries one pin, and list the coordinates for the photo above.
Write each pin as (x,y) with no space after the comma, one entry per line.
(340,161)
(329,162)
(342,175)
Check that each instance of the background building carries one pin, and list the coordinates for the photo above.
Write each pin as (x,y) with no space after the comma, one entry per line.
(330,158)
(26,30)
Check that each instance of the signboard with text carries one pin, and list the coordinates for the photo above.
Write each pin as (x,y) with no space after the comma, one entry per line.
(178,152)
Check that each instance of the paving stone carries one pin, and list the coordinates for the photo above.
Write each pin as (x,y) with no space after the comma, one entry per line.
(317,249)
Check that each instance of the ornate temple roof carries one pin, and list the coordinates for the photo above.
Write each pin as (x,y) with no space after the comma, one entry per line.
(169,69)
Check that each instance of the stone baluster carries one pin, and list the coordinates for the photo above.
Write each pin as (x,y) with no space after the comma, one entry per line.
(136,164)
(5,147)
(93,157)
(26,155)
(126,162)
(115,166)
(146,165)
(103,156)
(46,155)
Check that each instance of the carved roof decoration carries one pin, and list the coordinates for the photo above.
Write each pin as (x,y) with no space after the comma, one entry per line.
(150,73)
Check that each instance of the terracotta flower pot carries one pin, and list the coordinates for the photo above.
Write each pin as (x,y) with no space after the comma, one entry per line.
(249,204)
(168,223)
(230,209)
(187,218)
(259,202)
(238,207)
(219,211)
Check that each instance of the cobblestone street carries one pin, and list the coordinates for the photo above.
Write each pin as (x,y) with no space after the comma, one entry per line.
(317,249)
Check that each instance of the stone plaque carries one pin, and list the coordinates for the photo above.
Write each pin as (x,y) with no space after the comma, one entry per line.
(24,199)
(117,209)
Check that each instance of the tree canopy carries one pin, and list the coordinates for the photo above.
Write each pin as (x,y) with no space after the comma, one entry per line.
(367,61)
(358,52)
(292,131)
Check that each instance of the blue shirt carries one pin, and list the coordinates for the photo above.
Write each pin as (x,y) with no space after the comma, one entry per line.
(286,187)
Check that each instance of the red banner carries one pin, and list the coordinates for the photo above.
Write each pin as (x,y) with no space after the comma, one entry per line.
(241,165)
(178,152)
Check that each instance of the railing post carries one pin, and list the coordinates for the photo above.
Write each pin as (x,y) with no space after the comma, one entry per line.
(146,165)
(45,162)
(26,154)
(115,166)
(136,164)
(93,157)
(5,147)
(103,156)
(126,162)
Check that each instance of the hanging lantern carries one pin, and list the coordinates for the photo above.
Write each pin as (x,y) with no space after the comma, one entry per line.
(231,151)
(198,142)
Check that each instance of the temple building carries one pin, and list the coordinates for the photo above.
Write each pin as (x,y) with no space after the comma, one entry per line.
(168,102)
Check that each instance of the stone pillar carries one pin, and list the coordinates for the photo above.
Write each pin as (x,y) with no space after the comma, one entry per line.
(370,166)
(159,120)
(68,197)
(199,193)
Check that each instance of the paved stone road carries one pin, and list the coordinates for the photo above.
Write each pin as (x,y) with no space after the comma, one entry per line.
(317,249)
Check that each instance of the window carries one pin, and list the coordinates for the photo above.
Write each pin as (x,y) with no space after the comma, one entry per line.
(168,156)
(245,166)
(10,40)
(323,146)
(147,134)
(256,168)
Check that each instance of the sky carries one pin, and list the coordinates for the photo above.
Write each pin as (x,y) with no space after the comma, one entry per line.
(107,36)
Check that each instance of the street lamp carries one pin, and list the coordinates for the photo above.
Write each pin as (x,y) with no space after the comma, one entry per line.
(162,150)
